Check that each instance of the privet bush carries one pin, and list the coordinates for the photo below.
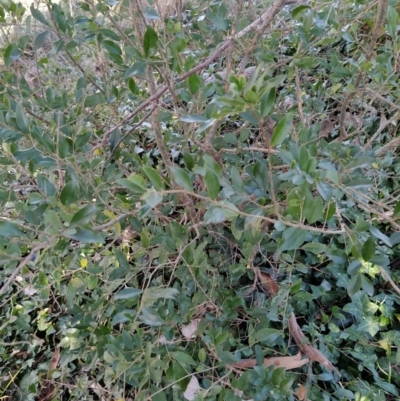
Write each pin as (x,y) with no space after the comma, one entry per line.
(188,192)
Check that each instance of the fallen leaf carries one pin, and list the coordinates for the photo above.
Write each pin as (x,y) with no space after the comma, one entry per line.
(287,362)
(303,343)
(48,390)
(192,388)
(188,330)
(269,285)
(163,340)
(301,392)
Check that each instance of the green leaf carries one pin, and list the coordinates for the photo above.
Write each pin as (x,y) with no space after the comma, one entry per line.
(314,247)
(8,229)
(188,159)
(377,234)
(268,335)
(150,42)
(360,162)
(11,54)
(367,285)
(337,256)
(325,190)
(354,284)
(183,358)
(154,294)
(230,210)
(237,181)
(94,100)
(138,69)
(181,177)
(124,316)
(368,249)
(46,186)
(150,317)
(157,395)
(251,97)
(112,47)
(109,34)
(217,20)
(84,215)
(53,222)
(392,21)
(127,293)
(313,210)
(152,198)
(214,215)
(396,211)
(134,183)
(84,235)
(293,238)
(274,82)
(193,118)
(38,15)
(360,183)
(298,10)
(70,296)
(212,183)
(267,103)
(282,130)
(154,176)
(194,83)
(132,85)
(370,325)
(70,193)
(40,40)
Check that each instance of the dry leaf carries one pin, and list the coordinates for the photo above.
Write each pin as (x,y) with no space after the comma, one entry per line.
(48,390)
(301,392)
(192,388)
(287,362)
(326,128)
(313,353)
(163,340)
(269,285)
(188,330)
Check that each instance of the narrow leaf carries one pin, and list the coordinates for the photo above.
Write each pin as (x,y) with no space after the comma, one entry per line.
(368,249)
(154,176)
(127,293)
(9,229)
(84,215)
(212,183)
(396,211)
(181,177)
(194,83)
(282,130)
(150,42)
(22,119)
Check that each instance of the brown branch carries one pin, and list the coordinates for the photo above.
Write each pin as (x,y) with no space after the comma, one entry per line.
(303,343)
(228,43)
(273,11)
(23,263)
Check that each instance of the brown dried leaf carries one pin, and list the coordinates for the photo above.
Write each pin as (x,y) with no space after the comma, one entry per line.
(48,390)
(269,285)
(301,392)
(302,342)
(54,360)
(287,362)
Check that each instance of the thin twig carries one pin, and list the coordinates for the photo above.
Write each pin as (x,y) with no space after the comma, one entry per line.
(24,262)
(389,279)
(228,43)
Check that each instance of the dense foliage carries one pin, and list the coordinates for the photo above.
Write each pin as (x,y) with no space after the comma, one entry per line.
(176,187)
